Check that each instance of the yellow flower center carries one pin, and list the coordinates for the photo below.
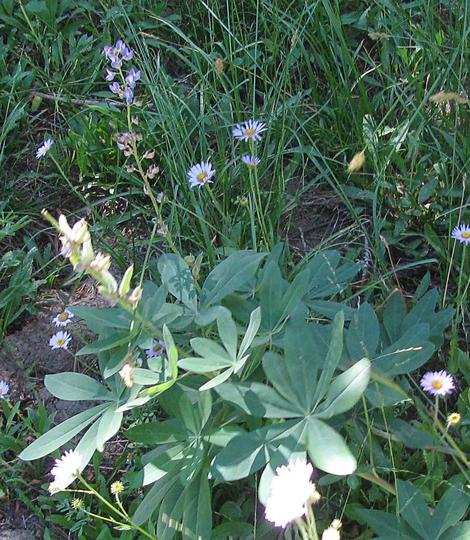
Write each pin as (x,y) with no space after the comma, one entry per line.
(437,384)
(201,176)
(60,342)
(454,418)
(157,348)
(249,132)
(466,235)
(63,316)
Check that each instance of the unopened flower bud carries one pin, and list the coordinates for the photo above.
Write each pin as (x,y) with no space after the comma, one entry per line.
(219,65)
(135,296)
(127,375)
(126,281)
(101,262)
(149,154)
(109,284)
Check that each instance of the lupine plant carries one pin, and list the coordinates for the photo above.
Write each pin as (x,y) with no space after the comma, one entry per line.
(245,374)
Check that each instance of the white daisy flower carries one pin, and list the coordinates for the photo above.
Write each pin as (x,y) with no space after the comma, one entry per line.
(290,492)
(462,234)
(250,130)
(4,389)
(63,319)
(157,349)
(438,383)
(332,533)
(251,161)
(44,148)
(60,340)
(65,470)
(200,174)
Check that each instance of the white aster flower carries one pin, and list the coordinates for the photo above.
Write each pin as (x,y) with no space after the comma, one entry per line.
(60,340)
(250,130)
(44,148)
(4,389)
(157,349)
(251,161)
(437,383)
(65,470)
(462,234)
(63,319)
(290,492)
(200,174)
(332,533)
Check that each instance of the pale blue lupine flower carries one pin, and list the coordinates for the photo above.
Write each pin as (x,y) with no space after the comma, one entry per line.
(115,88)
(128,95)
(4,389)
(132,77)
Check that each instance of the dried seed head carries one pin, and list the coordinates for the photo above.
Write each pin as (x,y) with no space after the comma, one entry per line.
(357,162)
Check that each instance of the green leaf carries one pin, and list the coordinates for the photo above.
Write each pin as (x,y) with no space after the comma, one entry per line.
(328,450)
(459,532)
(87,445)
(98,318)
(362,338)
(228,332)
(110,342)
(248,452)
(217,380)
(153,433)
(394,313)
(178,279)
(333,357)
(407,354)
(345,390)
(171,512)
(229,275)
(209,349)
(381,522)
(197,513)
(60,434)
(203,365)
(251,331)
(76,387)
(154,497)
(146,377)
(258,400)
(270,292)
(108,426)
(412,507)
(451,509)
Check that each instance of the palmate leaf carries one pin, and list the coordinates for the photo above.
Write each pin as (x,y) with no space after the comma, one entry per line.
(197,513)
(412,507)
(459,532)
(451,509)
(229,275)
(177,278)
(61,434)
(345,390)
(362,338)
(154,497)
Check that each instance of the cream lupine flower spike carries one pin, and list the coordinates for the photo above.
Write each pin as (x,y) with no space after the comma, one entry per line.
(78,248)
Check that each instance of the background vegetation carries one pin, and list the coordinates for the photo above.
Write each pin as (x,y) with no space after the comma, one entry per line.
(330,78)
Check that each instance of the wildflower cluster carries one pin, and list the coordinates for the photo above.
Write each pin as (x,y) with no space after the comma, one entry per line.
(250,131)
(77,247)
(117,55)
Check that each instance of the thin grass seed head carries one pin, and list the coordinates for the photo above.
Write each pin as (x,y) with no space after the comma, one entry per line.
(357,162)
